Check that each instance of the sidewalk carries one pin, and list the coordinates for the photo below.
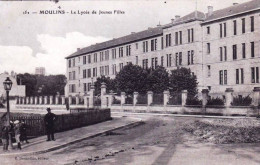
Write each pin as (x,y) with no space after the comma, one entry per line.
(40,145)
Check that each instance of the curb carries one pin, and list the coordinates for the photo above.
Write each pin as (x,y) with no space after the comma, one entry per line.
(74,141)
(184,115)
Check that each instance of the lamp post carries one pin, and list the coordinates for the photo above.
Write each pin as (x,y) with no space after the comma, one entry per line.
(8,85)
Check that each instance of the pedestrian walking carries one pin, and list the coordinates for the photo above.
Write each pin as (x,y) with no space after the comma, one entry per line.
(49,120)
(17,132)
(5,137)
(24,132)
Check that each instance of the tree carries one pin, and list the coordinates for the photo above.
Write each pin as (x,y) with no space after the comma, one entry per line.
(132,78)
(182,79)
(110,83)
(29,81)
(42,85)
(158,80)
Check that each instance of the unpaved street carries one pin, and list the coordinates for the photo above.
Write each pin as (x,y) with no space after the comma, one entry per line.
(158,140)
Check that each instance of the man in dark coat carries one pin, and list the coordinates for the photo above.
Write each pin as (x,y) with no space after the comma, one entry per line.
(49,124)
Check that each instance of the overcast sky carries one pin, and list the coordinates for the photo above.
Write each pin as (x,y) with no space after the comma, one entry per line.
(32,40)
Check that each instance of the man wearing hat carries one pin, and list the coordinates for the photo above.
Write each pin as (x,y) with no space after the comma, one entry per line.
(49,124)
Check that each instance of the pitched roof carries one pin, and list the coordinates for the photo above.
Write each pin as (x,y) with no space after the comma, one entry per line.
(196,15)
(151,32)
(119,41)
(235,9)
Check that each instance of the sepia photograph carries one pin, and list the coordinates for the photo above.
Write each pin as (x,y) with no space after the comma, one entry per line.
(130,82)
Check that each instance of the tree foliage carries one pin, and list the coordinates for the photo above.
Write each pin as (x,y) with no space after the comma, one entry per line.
(158,80)
(42,85)
(182,79)
(132,78)
(110,83)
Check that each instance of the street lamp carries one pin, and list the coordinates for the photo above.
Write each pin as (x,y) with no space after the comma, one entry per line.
(8,85)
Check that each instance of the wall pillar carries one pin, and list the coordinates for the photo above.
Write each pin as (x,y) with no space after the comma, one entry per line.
(91,96)
(103,95)
(77,100)
(229,96)
(70,100)
(184,95)
(149,98)
(31,100)
(205,96)
(256,96)
(135,98)
(45,99)
(62,100)
(166,97)
(86,101)
(51,99)
(27,100)
(56,100)
(40,100)
(122,98)
(36,100)
(111,98)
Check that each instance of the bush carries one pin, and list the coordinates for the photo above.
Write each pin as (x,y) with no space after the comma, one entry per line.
(158,99)
(215,101)
(115,101)
(97,102)
(141,99)
(129,100)
(175,100)
(193,101)
(241,101)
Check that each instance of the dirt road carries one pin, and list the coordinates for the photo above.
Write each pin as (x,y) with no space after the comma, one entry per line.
(158,140)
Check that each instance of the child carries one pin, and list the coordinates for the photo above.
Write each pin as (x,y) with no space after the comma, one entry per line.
(17,132)
(5,137)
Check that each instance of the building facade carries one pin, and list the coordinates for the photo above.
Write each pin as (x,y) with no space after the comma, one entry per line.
(220,47)
(40,71)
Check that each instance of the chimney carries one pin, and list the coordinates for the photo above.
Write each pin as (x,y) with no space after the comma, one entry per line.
(210,10)
(172,20)
(78,49)
(149,28)
(235,3)
(177,17)
(132,32)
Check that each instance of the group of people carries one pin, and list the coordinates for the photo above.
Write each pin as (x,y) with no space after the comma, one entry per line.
(17,130)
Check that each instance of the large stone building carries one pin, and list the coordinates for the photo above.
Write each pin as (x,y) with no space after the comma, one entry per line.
(220,47)
(40,71)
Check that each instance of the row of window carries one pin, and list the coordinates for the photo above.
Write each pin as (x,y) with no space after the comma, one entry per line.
(178,60)
(153,47)
(223,76)
(223,27)
(223,51)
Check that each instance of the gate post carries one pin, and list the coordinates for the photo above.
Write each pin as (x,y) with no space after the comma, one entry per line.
(229,96)
(149,98)
(166,96)
(135,98)
(91,96)
(122,98)
(103,95)
(256,96)
(184,94)
(205,95)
